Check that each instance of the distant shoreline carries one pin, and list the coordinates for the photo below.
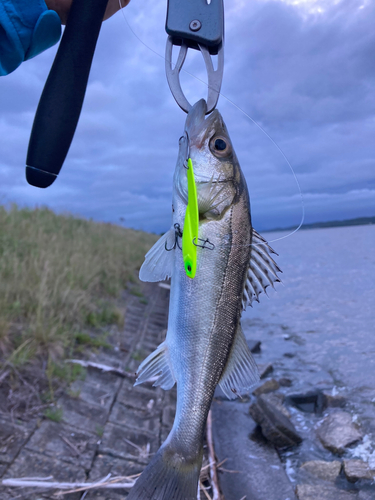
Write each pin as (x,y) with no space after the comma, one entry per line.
(359,221)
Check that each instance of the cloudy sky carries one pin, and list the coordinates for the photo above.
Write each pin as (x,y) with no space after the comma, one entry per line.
(303,69)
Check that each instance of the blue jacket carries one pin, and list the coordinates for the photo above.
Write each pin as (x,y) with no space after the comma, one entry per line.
(27,28)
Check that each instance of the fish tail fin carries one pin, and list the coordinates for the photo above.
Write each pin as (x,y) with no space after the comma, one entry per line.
(168,476)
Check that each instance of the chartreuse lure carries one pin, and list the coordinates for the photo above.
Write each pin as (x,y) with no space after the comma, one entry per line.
(191,224)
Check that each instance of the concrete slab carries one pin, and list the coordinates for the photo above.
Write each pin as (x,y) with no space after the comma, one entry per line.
(107,464)
(94,394)
(98,388)
(141,420)
(31,464)
(130,444)
(168,416)
(64,443)
(12,437)
(82,415)
(106,495)
(261,475)
(137,397)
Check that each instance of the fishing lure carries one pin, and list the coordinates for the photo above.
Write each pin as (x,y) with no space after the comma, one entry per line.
(190,233)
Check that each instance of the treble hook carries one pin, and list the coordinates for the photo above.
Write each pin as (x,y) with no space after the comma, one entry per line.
(177,234)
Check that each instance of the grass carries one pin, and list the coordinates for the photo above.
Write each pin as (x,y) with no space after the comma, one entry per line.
(54,414)
(99,430)
(59,279)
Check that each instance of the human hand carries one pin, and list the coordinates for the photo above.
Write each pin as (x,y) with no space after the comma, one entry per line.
(62,7)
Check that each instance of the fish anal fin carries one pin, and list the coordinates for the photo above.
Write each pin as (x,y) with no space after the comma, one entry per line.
(157,364)
(262,271)
(158,264)
(241,371)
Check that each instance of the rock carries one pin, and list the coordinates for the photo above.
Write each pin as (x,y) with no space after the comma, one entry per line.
(309,401)
(277,399)
(323,470)
(310,492)
(268,386)
(276,427)
(337,431)
(357,469)
(366,495)
(285,382)
(254,346)
(333,401)
(265,370)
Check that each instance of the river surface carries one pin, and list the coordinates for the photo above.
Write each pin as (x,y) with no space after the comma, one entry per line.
(318,328)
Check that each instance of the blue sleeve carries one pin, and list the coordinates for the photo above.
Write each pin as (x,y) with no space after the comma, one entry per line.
(27,28)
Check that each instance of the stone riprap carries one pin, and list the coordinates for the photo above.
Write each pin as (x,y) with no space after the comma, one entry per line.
(328,471)
(337,431)
(275,425)
(358,469)
(312,492)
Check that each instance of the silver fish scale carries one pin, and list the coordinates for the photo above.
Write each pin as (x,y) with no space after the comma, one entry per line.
(203,319)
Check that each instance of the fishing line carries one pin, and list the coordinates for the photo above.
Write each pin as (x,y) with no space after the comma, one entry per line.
(244,113)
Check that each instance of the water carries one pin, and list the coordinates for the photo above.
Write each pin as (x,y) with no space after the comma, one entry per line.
(318,329)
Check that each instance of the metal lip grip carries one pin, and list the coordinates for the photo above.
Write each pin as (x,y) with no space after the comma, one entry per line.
(197,24)
(61,102)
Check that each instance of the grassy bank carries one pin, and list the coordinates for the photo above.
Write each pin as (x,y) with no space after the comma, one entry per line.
(59,277)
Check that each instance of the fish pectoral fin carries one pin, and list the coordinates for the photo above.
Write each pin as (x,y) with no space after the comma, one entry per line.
(262,270)
(158,264)
(241,371)
(157,364)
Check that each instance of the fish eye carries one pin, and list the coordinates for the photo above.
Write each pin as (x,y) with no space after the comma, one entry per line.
(220,146)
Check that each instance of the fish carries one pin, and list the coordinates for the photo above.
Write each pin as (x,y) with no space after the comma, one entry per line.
(204,345)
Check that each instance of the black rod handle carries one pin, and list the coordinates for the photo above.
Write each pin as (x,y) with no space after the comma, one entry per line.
(61,101)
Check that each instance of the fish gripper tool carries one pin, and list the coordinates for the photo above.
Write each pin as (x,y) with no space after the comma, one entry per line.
(195,24)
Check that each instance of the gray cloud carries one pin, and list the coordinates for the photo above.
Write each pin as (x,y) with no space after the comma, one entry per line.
(307,79)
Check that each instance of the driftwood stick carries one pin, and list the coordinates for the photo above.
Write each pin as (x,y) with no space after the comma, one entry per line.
(99,366)
(211,455)
(19,482)
(4,375)
(85,493)
(86,490)
(204,491)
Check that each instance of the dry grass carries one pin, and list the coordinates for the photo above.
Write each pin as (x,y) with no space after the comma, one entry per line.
(59,275)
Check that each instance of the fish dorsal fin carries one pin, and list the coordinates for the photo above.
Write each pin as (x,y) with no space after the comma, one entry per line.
(241,371)
(262,270)
(158,264)
(157,365)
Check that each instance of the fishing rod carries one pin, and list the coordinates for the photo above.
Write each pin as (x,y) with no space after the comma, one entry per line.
(61,101)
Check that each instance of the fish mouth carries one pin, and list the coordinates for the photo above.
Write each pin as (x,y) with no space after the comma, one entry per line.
(196,117)
(198,128)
